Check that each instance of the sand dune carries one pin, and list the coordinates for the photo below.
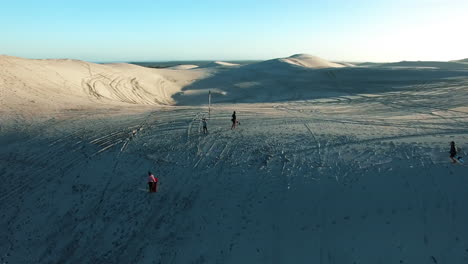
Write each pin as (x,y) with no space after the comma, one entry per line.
(275,80)
(32,87)
(184,67)
(40,85)
(309,61)
(328,165)
(346,64)
(462,61)
(293,64)
(220,64)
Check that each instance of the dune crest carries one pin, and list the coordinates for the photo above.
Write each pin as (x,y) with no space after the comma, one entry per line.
(309,61)
(220,64)
(184,67)
(462,60)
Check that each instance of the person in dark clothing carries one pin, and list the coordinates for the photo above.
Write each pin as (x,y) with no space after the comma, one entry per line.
(234,120)
(453,152)
(205,126)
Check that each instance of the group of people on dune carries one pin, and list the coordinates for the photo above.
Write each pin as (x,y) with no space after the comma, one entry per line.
(234,121)
(153,181)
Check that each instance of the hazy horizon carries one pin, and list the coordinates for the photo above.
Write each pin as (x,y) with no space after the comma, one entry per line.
(120,31)
(195,61)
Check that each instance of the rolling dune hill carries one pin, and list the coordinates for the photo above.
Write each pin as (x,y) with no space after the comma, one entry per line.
(47,85)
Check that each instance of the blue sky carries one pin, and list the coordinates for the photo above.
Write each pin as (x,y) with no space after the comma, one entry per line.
(362,30)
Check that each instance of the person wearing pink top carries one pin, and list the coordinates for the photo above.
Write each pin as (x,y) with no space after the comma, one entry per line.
(152,182)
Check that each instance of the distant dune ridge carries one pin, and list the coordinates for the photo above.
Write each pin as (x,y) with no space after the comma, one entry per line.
(301,61)
(427,64)
(309,61)
(446,65)
(34,86)
(347,64)
(220,64)
(184,67)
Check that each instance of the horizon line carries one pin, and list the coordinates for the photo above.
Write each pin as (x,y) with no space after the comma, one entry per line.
(213,60)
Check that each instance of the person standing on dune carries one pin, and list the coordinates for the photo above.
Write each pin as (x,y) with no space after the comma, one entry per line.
(205,127)
(234,120)
(152,182)
(453,153)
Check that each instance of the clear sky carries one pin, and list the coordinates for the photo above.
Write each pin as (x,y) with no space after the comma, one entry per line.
(159,30)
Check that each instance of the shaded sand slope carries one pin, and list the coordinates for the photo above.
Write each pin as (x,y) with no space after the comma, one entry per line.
(363,179)
(275,80)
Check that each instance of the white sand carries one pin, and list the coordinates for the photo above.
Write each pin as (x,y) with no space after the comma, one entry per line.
(220,64)
(39,86)
(357,173)
(184,67)
(36,87)
(308,61)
